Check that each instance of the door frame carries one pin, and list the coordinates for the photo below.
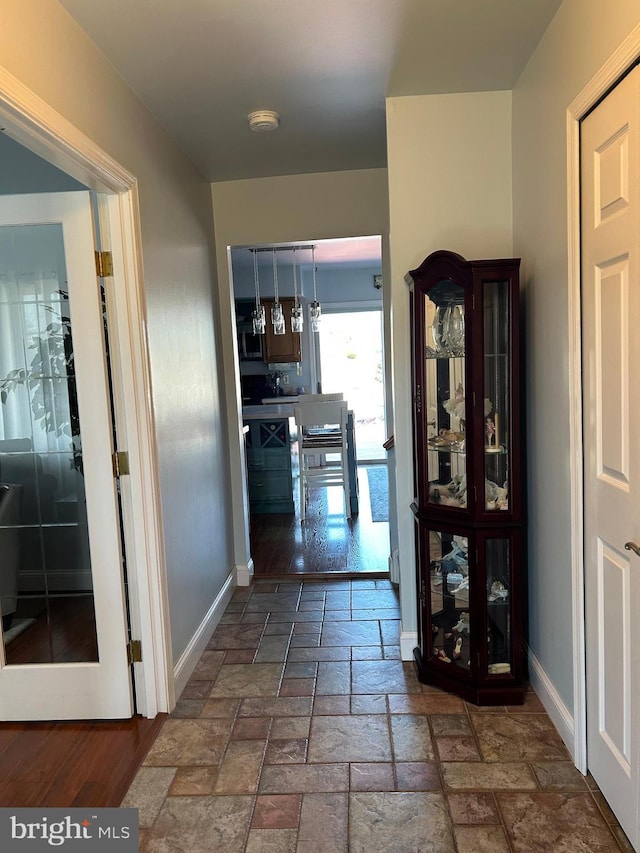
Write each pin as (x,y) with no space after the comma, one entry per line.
(614,68)
(32,122)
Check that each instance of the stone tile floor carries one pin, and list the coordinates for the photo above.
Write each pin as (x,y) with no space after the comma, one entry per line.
(302,730)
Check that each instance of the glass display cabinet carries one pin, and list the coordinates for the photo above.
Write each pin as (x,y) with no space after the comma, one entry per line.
(468,503)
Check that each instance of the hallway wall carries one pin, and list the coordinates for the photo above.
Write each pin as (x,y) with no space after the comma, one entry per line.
(449,188)
(579,40)
(45,50)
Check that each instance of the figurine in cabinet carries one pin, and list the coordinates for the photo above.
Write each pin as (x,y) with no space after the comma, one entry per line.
(468,508)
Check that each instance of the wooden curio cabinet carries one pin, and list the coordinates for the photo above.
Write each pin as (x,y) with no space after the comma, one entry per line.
(468,476)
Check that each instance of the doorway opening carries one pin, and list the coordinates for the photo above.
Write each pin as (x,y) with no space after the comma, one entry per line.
(346,282)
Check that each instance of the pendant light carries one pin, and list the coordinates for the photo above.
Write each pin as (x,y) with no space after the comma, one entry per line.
(297,320)
(314,308)
(277,315)
(258,315)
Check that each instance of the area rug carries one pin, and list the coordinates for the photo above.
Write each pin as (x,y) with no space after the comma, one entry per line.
(378,478)
(17,627)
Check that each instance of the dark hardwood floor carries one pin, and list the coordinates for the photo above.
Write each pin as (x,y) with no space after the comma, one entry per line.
(71,764)
(63,630)
(67,764)
(326,542)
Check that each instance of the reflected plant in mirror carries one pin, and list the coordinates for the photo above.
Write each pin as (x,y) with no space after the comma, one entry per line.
(50,377)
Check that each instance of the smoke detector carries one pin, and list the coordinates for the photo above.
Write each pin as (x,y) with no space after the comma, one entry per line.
(263,120)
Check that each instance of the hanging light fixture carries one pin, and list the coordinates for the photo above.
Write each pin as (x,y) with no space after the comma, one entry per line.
(257,315)
(277,315)
(314,309)
(297,320)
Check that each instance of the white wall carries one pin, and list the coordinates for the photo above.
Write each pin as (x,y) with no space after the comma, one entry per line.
(582,36)
(44,48)
(449,163)
(282,210)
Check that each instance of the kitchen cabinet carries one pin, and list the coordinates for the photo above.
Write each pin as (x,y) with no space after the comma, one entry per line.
(281,349)
(468,450)
(270,482)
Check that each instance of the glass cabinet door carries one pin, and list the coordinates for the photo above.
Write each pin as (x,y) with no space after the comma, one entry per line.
(449,596)
(497,382)
(444,404)
(498,576)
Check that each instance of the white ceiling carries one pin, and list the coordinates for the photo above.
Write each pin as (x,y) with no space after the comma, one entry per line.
(325,66)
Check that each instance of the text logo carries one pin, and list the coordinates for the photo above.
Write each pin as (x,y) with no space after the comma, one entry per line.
(73,830)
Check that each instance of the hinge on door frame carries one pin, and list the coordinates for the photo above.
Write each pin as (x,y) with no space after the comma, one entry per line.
(134,652)
(120,461)
(104,264)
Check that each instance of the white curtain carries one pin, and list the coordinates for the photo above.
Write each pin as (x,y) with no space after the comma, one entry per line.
(32,274)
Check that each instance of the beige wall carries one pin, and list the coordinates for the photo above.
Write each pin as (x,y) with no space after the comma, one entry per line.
(42,47)
(281,210)
(582,36)
(449,162)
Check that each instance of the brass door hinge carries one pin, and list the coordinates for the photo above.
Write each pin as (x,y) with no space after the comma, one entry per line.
(120,463)
(104,264)
(134,652)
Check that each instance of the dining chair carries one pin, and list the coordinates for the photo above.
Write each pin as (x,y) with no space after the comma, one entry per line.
(322,430)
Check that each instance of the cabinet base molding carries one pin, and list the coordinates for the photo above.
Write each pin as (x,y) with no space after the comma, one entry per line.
(507,694)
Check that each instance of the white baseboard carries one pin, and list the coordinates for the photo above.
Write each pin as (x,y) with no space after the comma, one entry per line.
(560,715)
(408,642)
(244,574)
(189,658)
(394,566)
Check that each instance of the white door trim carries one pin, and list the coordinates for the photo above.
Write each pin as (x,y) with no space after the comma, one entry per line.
(35,124)
(619,62)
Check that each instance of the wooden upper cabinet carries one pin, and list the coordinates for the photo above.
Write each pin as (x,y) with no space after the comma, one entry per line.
(281,349)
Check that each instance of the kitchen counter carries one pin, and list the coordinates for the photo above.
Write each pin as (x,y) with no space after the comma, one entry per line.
(269,456)
(282,409)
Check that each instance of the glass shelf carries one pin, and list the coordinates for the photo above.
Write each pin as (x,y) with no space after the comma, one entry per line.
(443,356)
(447,448)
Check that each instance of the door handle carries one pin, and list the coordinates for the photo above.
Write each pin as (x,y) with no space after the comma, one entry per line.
(631,546)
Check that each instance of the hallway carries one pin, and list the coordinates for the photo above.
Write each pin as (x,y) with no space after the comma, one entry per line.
(301,731)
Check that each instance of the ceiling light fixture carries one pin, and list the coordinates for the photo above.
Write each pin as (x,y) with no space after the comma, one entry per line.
(297,320)
(277,315)
(315,311)
(258,315)
(261,121)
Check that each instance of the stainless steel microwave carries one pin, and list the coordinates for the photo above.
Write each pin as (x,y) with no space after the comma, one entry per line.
(249,345)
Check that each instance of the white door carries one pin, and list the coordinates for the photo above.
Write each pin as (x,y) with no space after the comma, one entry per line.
(63,654)
(610,145)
